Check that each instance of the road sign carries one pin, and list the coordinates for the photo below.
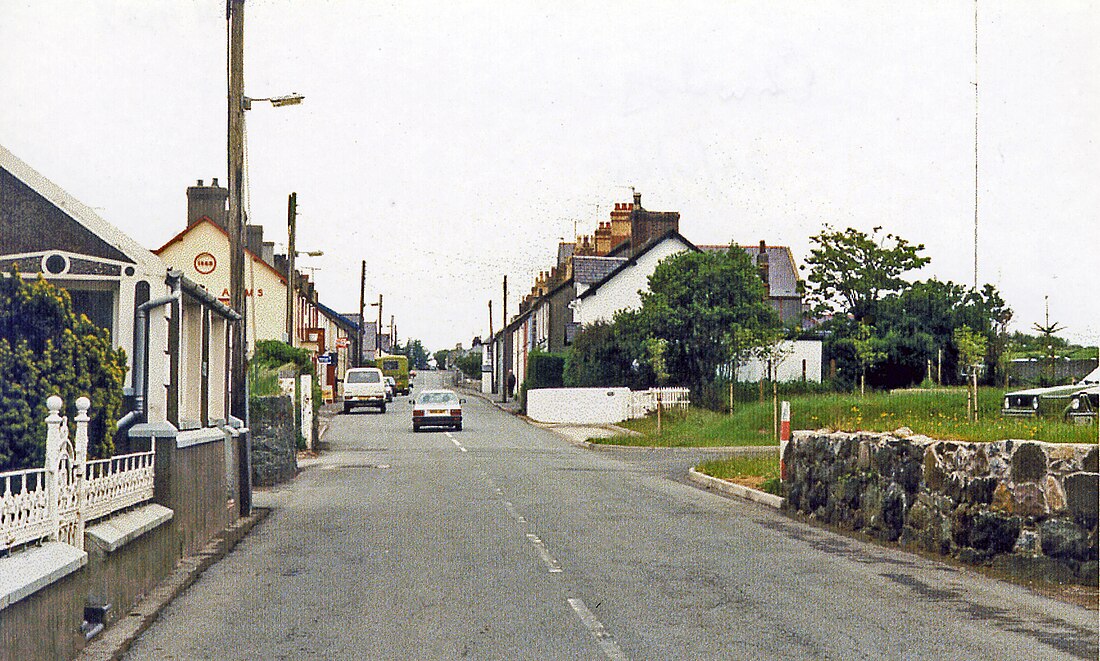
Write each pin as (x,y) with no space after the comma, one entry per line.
(341,343)
(324,359)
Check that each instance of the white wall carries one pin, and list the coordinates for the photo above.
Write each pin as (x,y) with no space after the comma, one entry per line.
(579,405)
(790,369)
(621,292)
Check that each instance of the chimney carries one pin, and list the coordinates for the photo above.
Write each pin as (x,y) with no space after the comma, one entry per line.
(254,238)
(620,224)
(603,239)
(763,267)
(207,201)
(268,253)
(637,200)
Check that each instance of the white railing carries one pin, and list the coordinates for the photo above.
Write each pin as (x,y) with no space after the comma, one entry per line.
(644,402)
(56,501)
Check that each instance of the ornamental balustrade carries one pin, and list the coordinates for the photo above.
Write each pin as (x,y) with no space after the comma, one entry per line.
(56,501)
(644,402)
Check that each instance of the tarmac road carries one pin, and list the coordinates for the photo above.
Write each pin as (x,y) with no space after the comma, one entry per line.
(503,541)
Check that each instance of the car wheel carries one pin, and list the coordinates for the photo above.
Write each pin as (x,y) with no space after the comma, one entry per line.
(347,408)
(382,409)
(458,427)
(416,428)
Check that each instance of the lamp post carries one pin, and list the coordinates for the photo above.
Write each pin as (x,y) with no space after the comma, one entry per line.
(238,103)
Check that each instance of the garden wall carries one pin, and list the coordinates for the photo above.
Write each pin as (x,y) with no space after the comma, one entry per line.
(579,405)
(274,440)
(1025,506)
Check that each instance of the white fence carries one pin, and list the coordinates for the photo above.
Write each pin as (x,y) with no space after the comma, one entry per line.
(644,402)
(54,502)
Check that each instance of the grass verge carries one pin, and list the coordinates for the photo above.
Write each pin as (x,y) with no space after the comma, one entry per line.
(934,413)
(755,471)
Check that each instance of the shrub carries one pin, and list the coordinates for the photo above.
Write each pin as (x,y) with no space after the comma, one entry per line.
(45,349)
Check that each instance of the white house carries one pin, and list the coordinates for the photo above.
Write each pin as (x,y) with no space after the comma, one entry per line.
(619,290)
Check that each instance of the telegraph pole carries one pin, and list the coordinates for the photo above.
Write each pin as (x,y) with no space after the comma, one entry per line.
(291,226)
(392,329)
(491,344)
(378,328)
(362,306)
(504,359)
(239,364)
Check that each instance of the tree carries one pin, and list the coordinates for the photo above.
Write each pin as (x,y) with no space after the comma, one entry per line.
(470,363)
(707,306)
(603,354)
(869,351)
(441,358)
(414,350)
(850,269)
(46,349)
(971,348)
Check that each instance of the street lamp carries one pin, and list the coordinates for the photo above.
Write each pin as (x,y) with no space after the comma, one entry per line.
(237,104)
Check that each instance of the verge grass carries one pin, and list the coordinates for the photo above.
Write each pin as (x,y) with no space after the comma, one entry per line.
(937,413)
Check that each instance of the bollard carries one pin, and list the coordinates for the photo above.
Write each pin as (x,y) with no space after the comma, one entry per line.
(784,439)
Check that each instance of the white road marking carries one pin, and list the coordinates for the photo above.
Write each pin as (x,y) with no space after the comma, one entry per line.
(455,441)
(515,513)
(544,553)
(603,638)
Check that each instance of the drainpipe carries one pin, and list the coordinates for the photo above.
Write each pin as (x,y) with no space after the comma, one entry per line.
(141,329)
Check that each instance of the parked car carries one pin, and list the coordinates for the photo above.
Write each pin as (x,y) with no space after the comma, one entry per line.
(364,386)
(1075,401)
(391,388)
(437,408)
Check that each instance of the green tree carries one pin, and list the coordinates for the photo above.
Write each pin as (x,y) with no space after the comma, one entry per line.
(470,363)
(850,269)
(415,352)
(45,349)
(441,358)
(603,354)
(971,348)
(869,351)
(707,306)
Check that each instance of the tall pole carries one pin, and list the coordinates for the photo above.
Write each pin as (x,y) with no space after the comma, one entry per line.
(239,376)
(491,344)
(291,228)
(392,329)
(504,359)
(378,328)
(975,145)
(362,306)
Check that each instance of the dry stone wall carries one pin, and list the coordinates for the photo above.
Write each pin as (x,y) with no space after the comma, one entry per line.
(1026,506)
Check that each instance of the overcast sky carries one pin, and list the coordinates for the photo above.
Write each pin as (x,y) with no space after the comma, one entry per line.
(449,144)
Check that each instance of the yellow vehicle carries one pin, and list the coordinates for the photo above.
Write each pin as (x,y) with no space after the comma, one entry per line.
(398,368)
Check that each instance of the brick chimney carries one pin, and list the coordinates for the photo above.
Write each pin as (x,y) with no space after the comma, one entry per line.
(207,201)
(620,224)
(603,239)
(763,267)
(645,226)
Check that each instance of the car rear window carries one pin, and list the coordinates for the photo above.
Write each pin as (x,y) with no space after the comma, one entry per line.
(366,376)
(437,398)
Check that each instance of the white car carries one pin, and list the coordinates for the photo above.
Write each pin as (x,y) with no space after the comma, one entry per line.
(364,386)
(437,408)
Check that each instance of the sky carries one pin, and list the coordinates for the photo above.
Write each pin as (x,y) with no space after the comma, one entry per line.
(451,144)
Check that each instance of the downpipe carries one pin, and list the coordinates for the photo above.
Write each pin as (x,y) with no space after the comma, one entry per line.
(141,332)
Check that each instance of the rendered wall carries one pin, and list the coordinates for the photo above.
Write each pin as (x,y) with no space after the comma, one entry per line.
(1024,506)
(579,405)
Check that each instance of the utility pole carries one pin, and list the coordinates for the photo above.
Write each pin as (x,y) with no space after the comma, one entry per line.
(491,344)
(392,329)
(362,306)
(504,360)
(378,328)
(291,228)
(235,140)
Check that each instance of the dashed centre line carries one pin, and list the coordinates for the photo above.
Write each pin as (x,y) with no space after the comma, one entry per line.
(603,638)
(544,553)
(455,441)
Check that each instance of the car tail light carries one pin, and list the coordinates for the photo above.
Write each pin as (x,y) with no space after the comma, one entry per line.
(418,414)
(456,412)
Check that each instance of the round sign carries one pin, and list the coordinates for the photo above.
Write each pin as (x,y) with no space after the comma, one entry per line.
(205,263)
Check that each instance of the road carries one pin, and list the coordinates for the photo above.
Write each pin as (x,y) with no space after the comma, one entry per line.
(503,541)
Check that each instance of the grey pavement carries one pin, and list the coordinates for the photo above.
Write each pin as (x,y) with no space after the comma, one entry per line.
(506,541)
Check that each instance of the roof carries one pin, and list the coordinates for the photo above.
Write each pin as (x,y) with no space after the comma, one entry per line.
(589,269)
(340,319)
(196,291)
(671,234)
(206,219)
(120,246)
(783,275)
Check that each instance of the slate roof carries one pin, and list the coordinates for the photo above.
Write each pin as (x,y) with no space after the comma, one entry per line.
(589,269)
(339,319)
(36,215)
(667,236)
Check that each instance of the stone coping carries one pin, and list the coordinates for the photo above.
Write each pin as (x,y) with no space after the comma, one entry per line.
(119,530)
(186,439)
(771,500)
(25,572)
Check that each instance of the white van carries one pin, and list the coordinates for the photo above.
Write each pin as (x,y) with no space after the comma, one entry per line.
(364,386)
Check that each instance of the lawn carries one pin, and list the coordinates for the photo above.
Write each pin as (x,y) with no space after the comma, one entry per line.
(935,413)
(755,471)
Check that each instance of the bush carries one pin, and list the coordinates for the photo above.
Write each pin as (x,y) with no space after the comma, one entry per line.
(470,364)
(263,376)
(47,350)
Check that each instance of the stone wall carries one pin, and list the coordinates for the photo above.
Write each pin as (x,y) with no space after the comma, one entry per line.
(1025,506)
(274,440)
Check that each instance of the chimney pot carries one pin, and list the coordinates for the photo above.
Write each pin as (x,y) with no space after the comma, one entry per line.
(638,199)
(199,183)
(763,247)
(214,182)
